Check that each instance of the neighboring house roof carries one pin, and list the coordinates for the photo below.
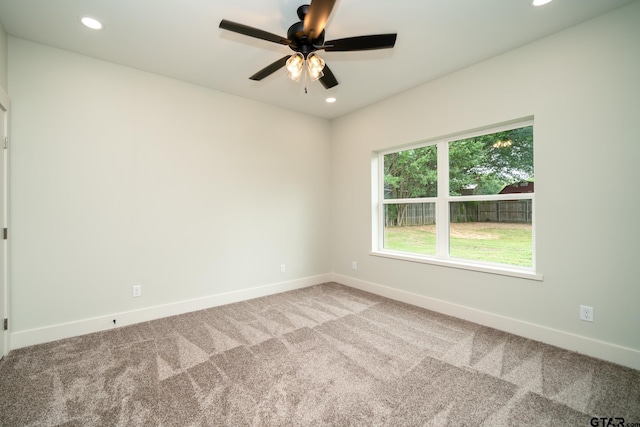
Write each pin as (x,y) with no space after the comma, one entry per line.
(518,187)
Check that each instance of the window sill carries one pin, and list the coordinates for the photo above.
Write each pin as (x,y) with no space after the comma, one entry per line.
(483,268)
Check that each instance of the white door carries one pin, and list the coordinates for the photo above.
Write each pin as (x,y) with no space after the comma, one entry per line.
(4,300)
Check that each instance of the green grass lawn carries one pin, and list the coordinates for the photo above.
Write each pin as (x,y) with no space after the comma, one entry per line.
(482,241)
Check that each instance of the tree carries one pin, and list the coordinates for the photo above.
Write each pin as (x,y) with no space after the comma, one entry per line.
(490,162)
(480,165)
(409,174)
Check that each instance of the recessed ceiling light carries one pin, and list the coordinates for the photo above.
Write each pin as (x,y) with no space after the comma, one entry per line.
(540,2)
(330,100)
(90,22)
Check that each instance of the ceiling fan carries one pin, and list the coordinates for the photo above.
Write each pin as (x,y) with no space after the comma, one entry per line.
(305,38)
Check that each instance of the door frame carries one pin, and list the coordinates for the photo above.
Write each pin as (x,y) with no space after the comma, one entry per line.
(4,281)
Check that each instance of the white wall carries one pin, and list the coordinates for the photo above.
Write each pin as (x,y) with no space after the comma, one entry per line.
(121,177)
(583,89)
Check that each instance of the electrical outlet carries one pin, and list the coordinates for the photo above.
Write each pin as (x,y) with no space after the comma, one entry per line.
(354,265)
(283,268)
(586,313)
(137,291)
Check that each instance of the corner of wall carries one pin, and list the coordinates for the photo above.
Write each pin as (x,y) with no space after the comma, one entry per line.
(4,58)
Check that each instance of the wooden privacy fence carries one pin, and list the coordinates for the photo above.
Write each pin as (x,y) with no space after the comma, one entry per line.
(510,211)
(514,211)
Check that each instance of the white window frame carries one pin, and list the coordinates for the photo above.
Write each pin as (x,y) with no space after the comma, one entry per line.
(442,202)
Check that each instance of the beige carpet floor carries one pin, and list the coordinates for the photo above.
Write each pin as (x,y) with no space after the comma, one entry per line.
(325,355)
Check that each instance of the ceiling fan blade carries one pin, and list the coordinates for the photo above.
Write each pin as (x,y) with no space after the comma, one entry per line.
(328,80)
(317,17)
(253,32)
(377,41)
(270,69)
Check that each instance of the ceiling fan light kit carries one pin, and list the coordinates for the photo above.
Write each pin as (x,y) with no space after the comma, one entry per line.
(295,65)
(305,38)
(315,64)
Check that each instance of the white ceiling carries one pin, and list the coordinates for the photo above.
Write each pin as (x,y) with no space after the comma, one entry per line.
(181,39)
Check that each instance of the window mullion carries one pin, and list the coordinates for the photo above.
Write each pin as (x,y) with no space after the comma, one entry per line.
(442,204)
(378,239)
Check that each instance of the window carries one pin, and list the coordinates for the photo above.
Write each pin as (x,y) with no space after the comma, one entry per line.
(466,201)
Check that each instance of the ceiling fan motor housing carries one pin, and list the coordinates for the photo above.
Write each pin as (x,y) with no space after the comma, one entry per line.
(300,42)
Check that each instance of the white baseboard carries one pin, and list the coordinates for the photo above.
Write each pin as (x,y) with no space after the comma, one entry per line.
(602,350)
(86,326)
